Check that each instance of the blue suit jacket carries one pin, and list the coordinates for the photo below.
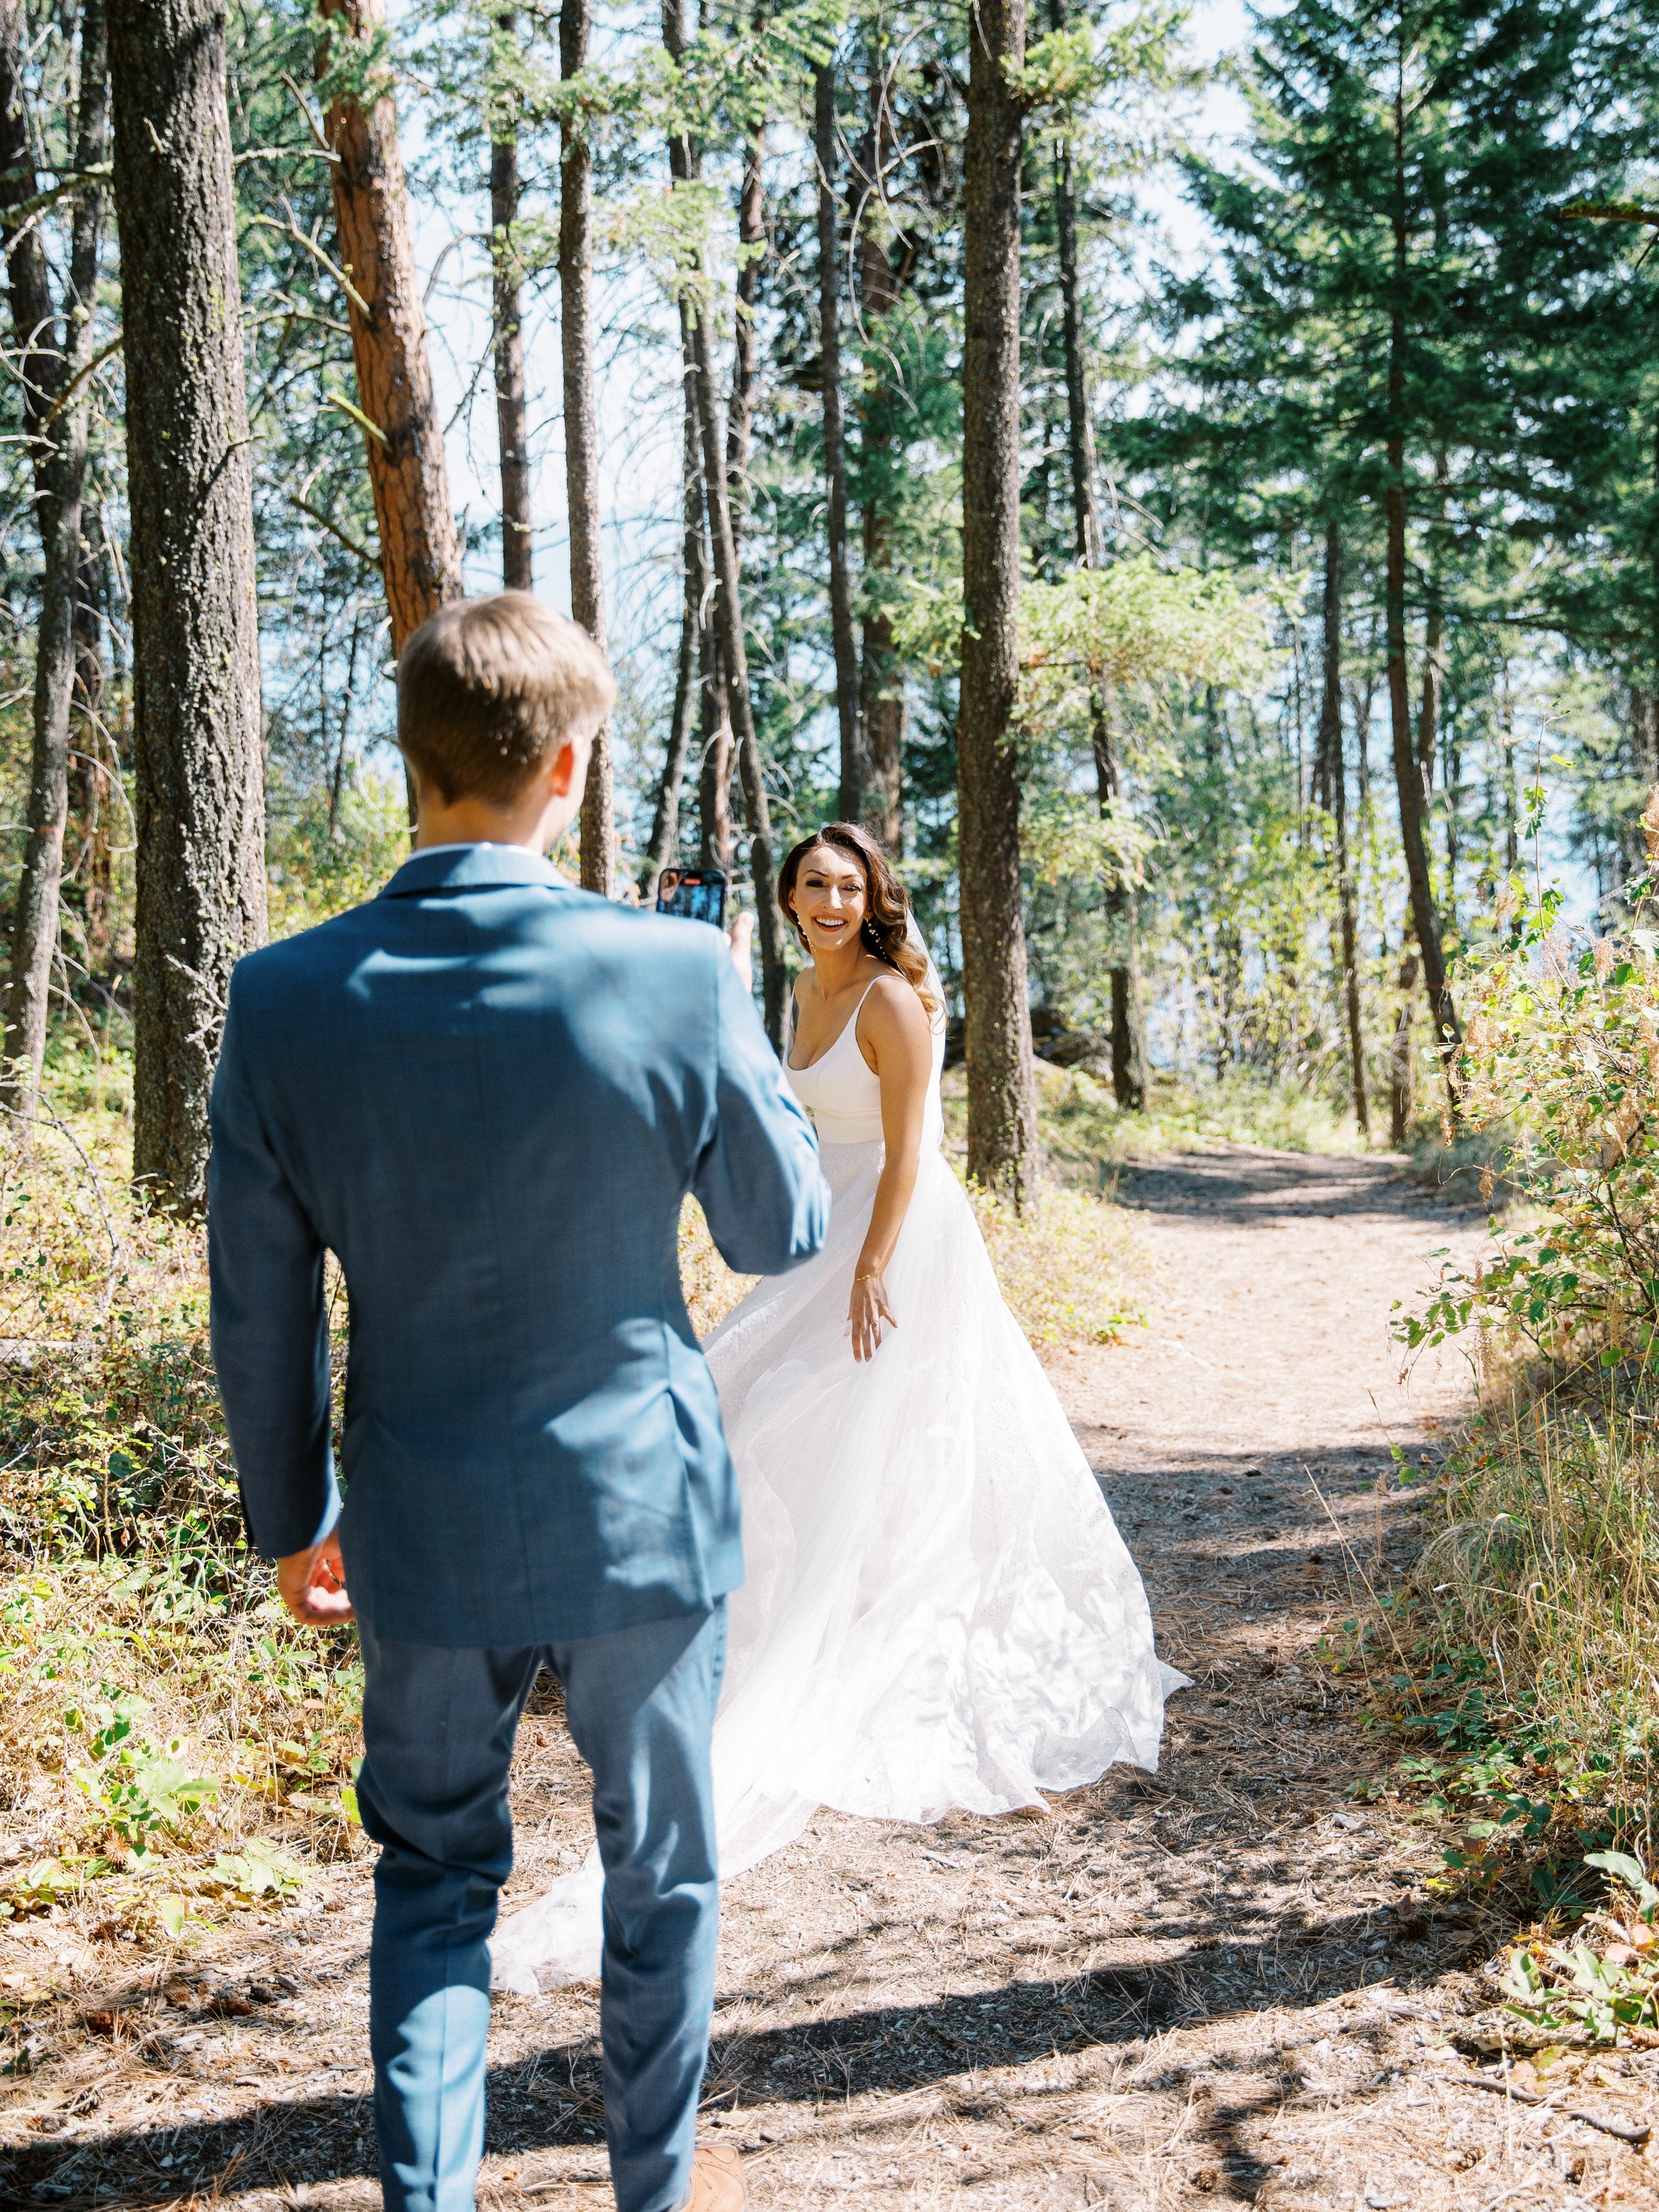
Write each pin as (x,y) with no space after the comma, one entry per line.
(488,1093)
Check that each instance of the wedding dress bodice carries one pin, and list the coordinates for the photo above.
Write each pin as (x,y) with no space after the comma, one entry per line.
(842,1092)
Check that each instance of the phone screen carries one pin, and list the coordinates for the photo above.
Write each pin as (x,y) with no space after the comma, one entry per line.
(694,894)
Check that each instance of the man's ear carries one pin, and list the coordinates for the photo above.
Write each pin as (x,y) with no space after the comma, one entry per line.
(569,764)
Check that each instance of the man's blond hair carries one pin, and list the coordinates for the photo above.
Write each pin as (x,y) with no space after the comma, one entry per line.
(489,689)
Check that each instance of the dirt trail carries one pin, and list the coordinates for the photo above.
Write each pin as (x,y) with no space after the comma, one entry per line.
(1227,1985)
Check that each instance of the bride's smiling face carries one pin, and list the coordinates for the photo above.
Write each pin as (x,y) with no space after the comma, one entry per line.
(831,899)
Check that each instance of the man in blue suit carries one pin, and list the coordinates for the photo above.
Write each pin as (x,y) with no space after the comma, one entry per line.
(488,1093)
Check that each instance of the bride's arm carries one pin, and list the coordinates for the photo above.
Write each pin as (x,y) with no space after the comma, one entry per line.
(894,1028)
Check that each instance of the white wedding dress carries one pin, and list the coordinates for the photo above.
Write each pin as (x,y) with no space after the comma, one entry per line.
(939,1611)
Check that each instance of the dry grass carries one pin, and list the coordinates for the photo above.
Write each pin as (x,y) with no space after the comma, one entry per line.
(1537,1592)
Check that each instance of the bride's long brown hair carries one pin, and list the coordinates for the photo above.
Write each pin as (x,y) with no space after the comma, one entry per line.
(885,930)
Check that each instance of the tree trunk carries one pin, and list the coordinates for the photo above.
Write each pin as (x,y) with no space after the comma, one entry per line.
(33,320)
(1085,490)
(1002,1139)
(420,553)
(1331,789)
(196,659)
(665,827)
(714,756)
(728,632)
(91,781)
(1511,796)
(1402,1057)
(1129,1054)
(849,801)
(732,665)
(881,682)
(581,437)
(714,766)
(61,462)
(1407,774)
(511,425)
(745,339)
(1129,1009)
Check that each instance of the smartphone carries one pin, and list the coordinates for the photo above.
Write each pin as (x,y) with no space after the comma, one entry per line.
(694,894)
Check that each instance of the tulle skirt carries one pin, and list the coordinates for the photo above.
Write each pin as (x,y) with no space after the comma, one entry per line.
(939,1611)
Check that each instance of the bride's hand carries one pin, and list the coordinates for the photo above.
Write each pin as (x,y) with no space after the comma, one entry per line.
(867,1312)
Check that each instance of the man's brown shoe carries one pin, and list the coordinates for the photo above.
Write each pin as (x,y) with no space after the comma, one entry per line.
(716,2180)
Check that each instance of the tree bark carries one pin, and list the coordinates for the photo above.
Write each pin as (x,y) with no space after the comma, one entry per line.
(715,848)
(1086,489)
(420,553)
(727,596)
(512,424)
(881,684)
(60,470)
(1407,774)
(33,319)
(1002,1139)
(728,632)
(1331,789)
(1129,1053)
(745,337)
(1402,1057)
(196,663)
(714,756)
(91,782)
(581,437)
(849,802)
(1129,1009)
(693,553)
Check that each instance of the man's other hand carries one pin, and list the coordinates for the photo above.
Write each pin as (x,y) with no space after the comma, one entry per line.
(741,938)
(312,1584)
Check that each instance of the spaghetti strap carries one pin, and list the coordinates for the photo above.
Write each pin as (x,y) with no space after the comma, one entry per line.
(845,1029)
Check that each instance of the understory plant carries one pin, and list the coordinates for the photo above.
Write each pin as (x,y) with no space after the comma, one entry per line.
(1605,1983)
(1561,1054)
(1523,1669)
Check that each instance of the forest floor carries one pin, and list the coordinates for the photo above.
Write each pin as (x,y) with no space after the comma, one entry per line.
(1227,1984)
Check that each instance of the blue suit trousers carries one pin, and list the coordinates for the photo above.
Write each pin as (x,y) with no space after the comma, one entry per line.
(438,1727)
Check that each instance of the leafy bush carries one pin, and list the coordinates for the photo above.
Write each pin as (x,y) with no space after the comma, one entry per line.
(1526,1630)
(1607,1980)
(1563,1051)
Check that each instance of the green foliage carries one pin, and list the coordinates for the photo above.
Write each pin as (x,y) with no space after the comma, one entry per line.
(1606,1981)
(1563,1051)
(1514,1662)
(140,1787)
(329,850)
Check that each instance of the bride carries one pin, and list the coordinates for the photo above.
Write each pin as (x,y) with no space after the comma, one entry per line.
(938,1610)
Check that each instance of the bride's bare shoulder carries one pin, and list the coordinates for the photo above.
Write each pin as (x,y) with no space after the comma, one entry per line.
(892,1004)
